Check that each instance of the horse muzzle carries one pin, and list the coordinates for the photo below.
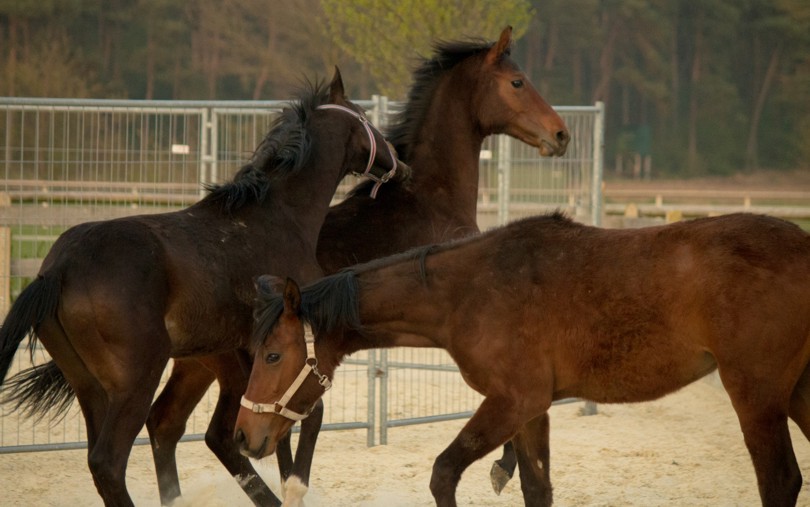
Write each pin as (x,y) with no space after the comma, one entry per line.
(555,147)
(263,449)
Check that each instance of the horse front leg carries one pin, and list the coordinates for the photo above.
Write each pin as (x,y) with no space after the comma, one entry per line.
(533,457)
(297,484)
(492,424)
(219,437)
(167,419)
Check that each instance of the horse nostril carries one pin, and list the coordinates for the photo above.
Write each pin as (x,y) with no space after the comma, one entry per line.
(239,436)
(563,136)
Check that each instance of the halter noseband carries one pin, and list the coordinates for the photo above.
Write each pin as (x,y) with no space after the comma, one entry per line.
(378,178)
(280,407)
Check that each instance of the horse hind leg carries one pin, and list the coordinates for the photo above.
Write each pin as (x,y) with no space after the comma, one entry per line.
(763,420)
(109,437)
(800,403)
(503,469)
(167,419)
(533,457)
(492,425)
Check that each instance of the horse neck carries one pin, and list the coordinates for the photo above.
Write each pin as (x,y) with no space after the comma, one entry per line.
(307,194)
(446,151)
(398,308)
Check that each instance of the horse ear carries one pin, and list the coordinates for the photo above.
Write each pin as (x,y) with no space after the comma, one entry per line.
(500,47)
(268,284)
(336,92)
(292,297)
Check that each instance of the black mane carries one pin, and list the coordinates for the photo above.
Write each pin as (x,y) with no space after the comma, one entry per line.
(446,55)
(406,124)
(284,150)
(327,304)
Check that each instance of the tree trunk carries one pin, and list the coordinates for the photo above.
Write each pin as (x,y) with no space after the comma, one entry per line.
(150,62)
(675,79)
(602,89)
(752,147)
(11,65)
(697,63)
(551,54)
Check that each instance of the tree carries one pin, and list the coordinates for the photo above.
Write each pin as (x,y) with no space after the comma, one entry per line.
(38,60)
(386,35)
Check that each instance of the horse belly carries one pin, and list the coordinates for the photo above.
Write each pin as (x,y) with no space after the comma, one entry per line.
(644,377)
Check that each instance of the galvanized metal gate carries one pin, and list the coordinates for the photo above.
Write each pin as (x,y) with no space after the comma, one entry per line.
(68,161)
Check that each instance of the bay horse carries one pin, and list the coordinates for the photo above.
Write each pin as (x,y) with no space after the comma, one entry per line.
(546,308)
(465,92)
(114,300)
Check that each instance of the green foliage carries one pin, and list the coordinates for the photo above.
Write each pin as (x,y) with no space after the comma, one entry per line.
(720,85)
(386,35)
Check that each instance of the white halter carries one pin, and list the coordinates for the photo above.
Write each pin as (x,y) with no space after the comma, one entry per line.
(280,407)
(385,176)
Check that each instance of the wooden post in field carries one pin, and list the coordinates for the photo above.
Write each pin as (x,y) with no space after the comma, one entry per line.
(673,216)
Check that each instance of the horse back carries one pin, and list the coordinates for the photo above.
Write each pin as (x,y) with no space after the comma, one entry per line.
(361,229)
(600,313)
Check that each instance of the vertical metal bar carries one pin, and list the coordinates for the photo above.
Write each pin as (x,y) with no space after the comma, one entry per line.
(375,110)
(372,396)
(382,372)
(598,164)
(504,174)
(206,159)
(8,144)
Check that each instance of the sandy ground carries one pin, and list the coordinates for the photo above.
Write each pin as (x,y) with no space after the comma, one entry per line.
(685,449)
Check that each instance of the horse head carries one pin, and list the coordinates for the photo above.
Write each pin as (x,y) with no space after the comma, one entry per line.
(285,381)
(510,104)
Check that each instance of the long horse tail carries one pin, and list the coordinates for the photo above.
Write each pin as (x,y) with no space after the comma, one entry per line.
(41,387)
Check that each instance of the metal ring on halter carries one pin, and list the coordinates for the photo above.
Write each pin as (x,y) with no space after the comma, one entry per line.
(385,176)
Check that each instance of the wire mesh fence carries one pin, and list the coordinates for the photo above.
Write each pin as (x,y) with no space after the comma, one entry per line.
(68,161)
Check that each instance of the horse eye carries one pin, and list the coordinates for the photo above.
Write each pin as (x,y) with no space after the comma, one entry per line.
(272,358)
(517,83)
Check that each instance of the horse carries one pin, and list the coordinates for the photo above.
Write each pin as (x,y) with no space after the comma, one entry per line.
(465,92)
(114,300)
(546,308)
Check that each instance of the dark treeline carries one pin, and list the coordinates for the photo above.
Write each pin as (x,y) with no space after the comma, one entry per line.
(703,86)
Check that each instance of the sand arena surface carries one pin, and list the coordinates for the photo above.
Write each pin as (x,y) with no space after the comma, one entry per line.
(685,449)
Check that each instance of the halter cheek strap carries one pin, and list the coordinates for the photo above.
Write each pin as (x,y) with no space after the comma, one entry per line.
(280,407)
(378,178)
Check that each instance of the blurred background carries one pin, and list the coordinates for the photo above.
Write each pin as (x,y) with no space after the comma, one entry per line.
(692,88)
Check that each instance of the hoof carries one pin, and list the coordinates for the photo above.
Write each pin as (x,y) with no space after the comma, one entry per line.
(499,477)
(294,491)
(589,408)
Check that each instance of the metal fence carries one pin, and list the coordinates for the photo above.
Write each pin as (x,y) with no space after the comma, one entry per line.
(68,161)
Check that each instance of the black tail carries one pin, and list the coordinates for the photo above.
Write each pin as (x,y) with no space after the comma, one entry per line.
(41,386)
(38,389)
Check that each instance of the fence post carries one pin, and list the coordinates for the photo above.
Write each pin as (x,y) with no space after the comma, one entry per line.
(598,164)
(504,174)
(382,372)
(208,149)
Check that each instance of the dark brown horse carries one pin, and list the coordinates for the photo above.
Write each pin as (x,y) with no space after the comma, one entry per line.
(464,93)
(115,300)
(544,309)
